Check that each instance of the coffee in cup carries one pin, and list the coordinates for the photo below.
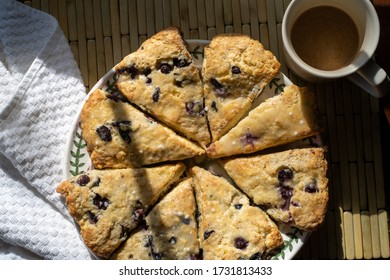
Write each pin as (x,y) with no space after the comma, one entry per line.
(329,39)
(338,43)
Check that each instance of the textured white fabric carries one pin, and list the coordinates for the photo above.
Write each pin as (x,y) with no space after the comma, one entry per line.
(12,252)
(40,92)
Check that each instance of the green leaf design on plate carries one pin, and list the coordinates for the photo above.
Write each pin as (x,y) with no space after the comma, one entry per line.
(76,155)
(311,140)
(279,87)
(111,86)
(288,244)
(196,52)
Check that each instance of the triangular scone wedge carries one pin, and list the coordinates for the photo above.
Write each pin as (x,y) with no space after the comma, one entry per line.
(119,136)
(161,78)
(107,204)
(169,231)
(291,185)
(235,71)
(229,227)
(281,119)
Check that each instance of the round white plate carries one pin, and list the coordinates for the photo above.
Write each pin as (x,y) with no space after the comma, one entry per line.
(77,159)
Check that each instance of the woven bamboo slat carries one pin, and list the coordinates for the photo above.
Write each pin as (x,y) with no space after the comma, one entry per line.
(101,32)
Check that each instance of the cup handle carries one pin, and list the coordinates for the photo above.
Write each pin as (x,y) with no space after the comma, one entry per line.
(372,79)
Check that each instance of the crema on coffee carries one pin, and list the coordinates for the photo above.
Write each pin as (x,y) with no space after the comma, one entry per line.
(325,37)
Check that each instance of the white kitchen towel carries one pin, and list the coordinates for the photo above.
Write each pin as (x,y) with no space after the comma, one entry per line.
(41,91)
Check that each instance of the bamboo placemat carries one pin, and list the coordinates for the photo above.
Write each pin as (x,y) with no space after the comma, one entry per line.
(101,32)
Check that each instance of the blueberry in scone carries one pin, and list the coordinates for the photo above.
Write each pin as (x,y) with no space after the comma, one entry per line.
(235,71)
(291,185)
(229,227)
(281,119)
(118,135)
(169,231)
(108,204)
(162,79)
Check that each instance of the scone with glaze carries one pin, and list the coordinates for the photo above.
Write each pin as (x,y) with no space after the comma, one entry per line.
(108,204)
(162,79)
(281,119)
(291,185)
(229,227)
(235,71)
(169,231)
(118,135)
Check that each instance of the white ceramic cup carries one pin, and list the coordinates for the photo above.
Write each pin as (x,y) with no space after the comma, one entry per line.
(363,71)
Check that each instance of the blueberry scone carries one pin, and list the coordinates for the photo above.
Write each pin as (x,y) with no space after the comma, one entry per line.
(169,231)
(291,185)
(119,136)
(229,227)
(107,204)
(162,79)
(281,119)
(235,71)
